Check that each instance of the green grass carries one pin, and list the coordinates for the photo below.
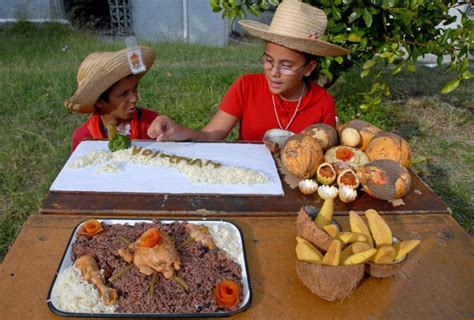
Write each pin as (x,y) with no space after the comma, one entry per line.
(187,82)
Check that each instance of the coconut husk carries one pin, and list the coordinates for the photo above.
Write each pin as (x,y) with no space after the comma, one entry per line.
(385,179)
(388,145)
(366,130)
(301,154)
(306,228)
(382,270)
(287,176)
(330,282)
(324,133)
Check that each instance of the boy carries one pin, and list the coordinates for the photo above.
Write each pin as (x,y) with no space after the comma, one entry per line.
(107,88)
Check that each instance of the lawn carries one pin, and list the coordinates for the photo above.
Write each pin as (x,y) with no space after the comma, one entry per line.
(38,67)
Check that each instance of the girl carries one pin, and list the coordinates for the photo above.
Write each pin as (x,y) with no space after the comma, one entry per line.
(281,97)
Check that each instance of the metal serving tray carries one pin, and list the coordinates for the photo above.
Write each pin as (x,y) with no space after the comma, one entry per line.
(66,262)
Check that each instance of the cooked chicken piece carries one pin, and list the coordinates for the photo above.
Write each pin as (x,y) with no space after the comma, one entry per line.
(90,273)
(162,257)
(201,234)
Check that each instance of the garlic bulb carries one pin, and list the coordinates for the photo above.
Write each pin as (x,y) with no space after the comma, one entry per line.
(308,186)
(326,192)
(347,193)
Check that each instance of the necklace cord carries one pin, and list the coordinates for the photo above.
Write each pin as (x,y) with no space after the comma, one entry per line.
(294,114)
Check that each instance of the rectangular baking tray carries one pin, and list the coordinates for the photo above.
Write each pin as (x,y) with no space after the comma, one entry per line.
(66,262)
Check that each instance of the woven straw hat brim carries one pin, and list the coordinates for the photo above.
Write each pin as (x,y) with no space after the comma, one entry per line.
(307,45)
(98,72)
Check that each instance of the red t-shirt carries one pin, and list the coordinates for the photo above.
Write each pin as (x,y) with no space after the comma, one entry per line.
(250,100)
(140,124)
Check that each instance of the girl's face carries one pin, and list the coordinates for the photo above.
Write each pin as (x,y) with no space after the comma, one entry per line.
(285,69)
(122,102)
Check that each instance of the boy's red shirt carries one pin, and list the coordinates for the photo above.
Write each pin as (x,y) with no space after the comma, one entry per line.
(250,100)
(92,129)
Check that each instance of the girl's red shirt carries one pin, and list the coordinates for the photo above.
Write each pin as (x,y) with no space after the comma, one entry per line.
(250,100)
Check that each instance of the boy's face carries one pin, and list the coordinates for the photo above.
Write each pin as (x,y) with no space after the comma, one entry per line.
(122,100)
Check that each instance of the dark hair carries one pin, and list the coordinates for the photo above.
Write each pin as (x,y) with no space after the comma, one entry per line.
(314,75)
(105,95)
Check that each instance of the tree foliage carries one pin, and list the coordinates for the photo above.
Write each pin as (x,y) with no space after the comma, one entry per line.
(384,37)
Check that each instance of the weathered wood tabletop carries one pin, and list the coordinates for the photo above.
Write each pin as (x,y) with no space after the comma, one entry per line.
(435,282)
(420,200)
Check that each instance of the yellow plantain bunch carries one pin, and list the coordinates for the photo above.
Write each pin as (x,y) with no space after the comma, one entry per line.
(380,237)
(374,243)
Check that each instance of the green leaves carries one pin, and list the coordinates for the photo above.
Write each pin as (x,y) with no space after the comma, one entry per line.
(368,64)
(450,86)
(467,75)
(367,18)
(354,37)
(385,37)
(254,9)
(215,5)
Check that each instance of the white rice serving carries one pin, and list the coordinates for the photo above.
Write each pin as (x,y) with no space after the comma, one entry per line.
(114,162)
(72,294)
(225,238)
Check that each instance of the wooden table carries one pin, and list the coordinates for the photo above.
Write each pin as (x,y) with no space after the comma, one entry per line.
(420,200)
(435,282)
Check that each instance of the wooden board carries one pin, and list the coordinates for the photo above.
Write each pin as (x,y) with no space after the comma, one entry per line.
(420,200)
(435,282)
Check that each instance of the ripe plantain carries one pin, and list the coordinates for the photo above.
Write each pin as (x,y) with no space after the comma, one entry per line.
(380,230)
(358,225)
(404,247)
(333,255)
(384,255)
(331,229)
(324,216)
(360,257)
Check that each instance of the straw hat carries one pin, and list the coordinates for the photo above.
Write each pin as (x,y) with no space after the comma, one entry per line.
(98,72)
(298,26)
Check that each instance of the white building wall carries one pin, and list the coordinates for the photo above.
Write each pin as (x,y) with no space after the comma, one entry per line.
(179,20)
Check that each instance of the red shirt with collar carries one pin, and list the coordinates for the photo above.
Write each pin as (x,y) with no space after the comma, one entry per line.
(250,100)
(93,129)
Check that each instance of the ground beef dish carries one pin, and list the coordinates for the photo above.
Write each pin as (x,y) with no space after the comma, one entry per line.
(202,269)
